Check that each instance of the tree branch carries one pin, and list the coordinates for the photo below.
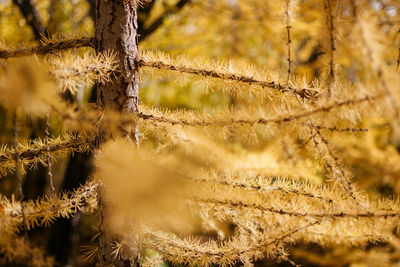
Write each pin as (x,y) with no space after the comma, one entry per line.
(32,17)
(160,20)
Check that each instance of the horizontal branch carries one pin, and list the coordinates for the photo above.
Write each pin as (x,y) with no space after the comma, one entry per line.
(265,121)
(226,253)
(336,129)
(48,47)
(303,93)
(87,118)
(44,211)
(252,185)
(30,154)
(239,204)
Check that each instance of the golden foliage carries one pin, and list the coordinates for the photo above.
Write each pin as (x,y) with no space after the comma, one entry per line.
(294,160)
(30,154)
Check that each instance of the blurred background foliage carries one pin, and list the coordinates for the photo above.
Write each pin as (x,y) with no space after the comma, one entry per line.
(242,31)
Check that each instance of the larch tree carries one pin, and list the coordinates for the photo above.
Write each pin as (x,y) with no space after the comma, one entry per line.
(279,144)
(116,31)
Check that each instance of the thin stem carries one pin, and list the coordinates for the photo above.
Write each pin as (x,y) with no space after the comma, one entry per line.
(16,158)
(49,164)
(332,42)
(320,215)
(289,41)
(20,192)
(47,48)
(286,119)
(398,55)
(331,163)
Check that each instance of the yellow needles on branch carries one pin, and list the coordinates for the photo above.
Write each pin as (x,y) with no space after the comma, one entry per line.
(164,118)
(30,154)
(224,72)
(47,47)
(326,215)
(44,211)
(238,249)
(332,164)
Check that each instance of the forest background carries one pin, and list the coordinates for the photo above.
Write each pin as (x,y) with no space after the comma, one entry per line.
(302,42)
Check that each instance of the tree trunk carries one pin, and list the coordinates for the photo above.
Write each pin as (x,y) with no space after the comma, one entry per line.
(116,32)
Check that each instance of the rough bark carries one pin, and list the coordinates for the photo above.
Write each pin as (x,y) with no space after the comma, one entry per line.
(116,31)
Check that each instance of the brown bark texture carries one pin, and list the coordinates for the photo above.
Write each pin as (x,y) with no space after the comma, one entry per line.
(116,31)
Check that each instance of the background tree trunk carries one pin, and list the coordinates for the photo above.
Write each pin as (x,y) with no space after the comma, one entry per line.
(32,17)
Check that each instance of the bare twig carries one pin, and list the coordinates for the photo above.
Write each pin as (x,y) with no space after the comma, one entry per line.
(49,164)
(16,158)
(332,41)
(289,40)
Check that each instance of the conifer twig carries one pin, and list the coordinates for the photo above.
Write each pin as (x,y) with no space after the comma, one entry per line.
(80,116)
(16,158)
(31,154)
(332,41)
(47,47)
(20,192)
(49,164)
(398,53)
(289,40)
(260,188)
(327,215)
(210,253)
(258,185)
(286,119)
(336,129)
(43,211)
(331,163)
(303,93)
